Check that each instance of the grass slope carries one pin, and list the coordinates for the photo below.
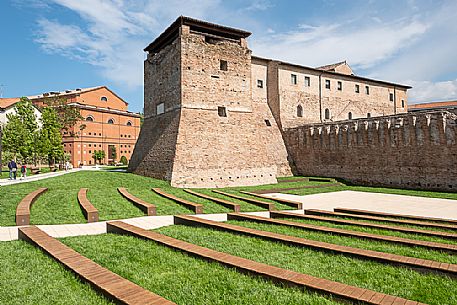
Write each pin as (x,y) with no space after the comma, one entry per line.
(403,282)
(28,276)
(184,279)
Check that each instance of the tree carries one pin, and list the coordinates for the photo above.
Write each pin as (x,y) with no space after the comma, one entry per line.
(124,160)
(50,138)
(20,133)
(98,155)
(68,115)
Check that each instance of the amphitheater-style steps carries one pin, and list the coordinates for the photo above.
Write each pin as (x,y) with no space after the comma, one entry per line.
(147,208)
(366,224)
(115,287)
(262,204)
(230,205)
(392,215)
(375,218)
(295,204)
(276,274)
(195,207)
(23,208)
(387,258)
(89,211)
(392,239)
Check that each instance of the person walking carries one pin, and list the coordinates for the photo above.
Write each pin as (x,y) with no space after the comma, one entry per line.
(23,171)
(12,166)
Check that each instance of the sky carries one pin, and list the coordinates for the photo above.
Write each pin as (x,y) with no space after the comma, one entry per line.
(54,45)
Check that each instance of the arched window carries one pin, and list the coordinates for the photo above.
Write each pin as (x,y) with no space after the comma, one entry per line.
(368,115)
(350,115)
(90,118)
(110,121)
(104,99)
(299,111)
(327,114)
(129,123)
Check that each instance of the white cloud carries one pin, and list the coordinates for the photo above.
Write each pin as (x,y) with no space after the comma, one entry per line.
(427,91)
(363,47)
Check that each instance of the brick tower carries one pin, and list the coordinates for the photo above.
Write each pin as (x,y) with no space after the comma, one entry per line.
(202,126)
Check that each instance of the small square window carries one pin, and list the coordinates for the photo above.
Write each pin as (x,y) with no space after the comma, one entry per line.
(340,86)
(327,84)
(259,83)
(293,79)
(367,90)
(357,89)
(222,111)
(391,97)
(267,122)
(307,81)
(160,108)
(223,65)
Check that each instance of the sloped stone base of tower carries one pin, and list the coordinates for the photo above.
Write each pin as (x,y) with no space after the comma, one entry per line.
(155,149)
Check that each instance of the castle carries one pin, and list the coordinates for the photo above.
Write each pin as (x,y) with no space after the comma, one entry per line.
(217,116)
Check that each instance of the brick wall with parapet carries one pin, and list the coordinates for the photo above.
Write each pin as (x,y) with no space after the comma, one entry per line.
(416,151)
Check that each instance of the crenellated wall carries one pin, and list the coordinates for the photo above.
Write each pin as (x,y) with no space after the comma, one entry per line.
(415,150)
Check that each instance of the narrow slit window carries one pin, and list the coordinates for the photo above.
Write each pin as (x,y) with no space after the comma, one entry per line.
(350,115)
(222,111)
(391,97)
(367,90)
(299,111)
(340,86)
(223,65)
(327,114)
(357,88)
(268,123)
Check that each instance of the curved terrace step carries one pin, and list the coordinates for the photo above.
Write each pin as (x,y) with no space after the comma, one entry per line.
(262,204)
(392,239)
(276,274)
(148,208)
(282,214)
(117,288)
(234,206)
(23,208)
(388,258)
(375,218)
(89,211)
(196,207)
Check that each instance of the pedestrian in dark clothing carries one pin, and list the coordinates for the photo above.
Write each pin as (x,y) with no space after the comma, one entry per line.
(12,166)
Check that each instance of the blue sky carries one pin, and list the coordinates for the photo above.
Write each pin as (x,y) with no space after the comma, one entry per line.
(49,45)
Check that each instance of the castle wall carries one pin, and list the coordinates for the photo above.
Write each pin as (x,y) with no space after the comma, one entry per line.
(232,150)
(154,152)
(408,150)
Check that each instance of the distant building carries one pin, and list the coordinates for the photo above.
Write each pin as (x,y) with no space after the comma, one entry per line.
(432,106)
(109,126)
(7,106)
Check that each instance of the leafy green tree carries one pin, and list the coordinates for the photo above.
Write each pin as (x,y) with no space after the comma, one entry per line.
(98,155)
(68,115)
(20,133)
(50,138)
(124,160)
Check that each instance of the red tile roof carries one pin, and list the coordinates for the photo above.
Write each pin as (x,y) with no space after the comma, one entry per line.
(8,102)
(443,104)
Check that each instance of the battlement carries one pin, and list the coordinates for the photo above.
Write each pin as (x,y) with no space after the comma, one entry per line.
(416,150)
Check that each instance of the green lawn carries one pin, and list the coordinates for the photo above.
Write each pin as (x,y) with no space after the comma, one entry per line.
(28,276)
(403,282)
(59,205)
(182,278)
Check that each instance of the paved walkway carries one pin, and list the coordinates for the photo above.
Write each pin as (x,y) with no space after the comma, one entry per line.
(5,182)
(399,204)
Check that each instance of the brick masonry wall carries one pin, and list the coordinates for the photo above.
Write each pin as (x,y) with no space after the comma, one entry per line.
(415,150)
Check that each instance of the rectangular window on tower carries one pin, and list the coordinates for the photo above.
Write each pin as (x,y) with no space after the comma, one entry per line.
(391,97)
(307,81)
(340,86)
(160,108)
(293,79)
(327,84)
(259,83)
(223,65)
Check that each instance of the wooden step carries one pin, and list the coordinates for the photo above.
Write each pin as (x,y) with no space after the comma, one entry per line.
(115,287)
(334,231)
(89,211)
(23,208)
(366,224)
(230,205)
(147,208)
(295,204)
(389,220)
(262,204)
(276,274)
(195,207)
(387,258)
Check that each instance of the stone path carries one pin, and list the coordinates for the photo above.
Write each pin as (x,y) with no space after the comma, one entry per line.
(5,182)
(399,204)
